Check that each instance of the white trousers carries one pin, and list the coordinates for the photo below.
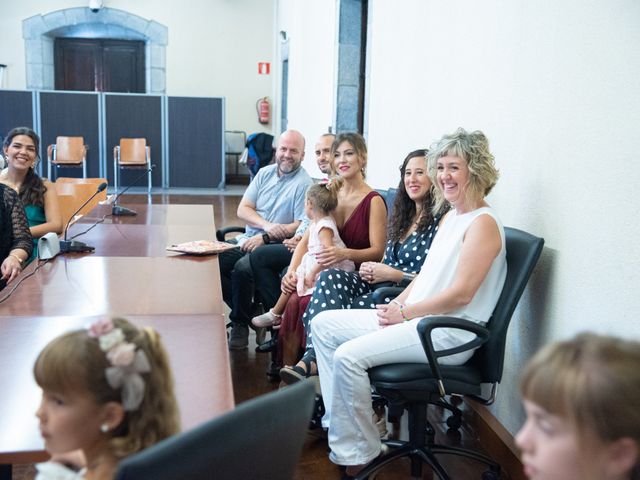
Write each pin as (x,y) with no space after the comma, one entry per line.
(347,344)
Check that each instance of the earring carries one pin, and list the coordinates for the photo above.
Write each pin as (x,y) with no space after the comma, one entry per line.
(104,428)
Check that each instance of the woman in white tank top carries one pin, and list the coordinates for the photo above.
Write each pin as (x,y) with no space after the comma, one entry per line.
(462,276)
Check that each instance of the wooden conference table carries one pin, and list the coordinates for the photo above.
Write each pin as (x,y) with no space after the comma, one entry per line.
(129,274)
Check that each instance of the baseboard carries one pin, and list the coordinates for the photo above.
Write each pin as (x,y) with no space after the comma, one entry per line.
(494,438)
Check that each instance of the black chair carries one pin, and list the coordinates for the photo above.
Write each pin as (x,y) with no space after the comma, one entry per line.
(261,438)
(414,386)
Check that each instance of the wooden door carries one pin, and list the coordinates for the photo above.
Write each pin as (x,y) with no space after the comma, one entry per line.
(99,65)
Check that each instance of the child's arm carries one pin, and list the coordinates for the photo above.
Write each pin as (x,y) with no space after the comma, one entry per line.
(325,235)
(290,279)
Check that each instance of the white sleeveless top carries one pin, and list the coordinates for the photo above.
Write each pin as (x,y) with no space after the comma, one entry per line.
(440,267)
(57,471)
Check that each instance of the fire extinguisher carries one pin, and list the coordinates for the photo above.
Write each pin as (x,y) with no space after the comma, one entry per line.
(264,110)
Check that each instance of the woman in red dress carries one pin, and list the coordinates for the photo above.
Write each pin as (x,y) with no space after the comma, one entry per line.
(361,217)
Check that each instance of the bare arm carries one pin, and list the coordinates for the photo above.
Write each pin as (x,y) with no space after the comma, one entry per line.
(288,284)
(51,212)
(247,213)
(480,247)
(377,240)
(325,235)
(278,231)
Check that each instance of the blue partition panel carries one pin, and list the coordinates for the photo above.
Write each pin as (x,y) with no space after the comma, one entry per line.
(16,110)
(71,114)
(196,136)
(133,116)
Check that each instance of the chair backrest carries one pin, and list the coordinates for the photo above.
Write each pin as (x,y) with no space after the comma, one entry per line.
(389,196)
(91,181)
(261,438)
(133,151)
(234,142)
(70,150)
(68,205)
(523,252)
(81,190)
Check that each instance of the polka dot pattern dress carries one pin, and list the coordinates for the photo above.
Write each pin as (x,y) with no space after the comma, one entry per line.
(336,289)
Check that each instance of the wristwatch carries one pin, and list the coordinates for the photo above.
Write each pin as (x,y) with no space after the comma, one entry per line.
(265,238)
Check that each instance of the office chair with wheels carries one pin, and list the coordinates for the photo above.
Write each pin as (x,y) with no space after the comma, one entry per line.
(67,152)
(261,438)
(415,386)
(131,153)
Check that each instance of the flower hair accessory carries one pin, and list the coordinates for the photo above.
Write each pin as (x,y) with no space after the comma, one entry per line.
(327,183)
(127,363)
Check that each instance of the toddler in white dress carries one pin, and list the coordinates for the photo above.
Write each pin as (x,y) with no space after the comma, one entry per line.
(321,200)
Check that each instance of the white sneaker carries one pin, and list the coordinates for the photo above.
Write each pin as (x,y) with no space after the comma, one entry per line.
(268,319)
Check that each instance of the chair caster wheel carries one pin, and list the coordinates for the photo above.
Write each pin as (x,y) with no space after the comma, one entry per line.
(491,475)
(454,422)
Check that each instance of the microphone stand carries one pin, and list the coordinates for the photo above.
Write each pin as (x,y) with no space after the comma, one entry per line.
(67,246)
(117,210)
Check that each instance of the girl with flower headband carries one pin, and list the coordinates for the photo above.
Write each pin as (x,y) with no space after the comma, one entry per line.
(106,391)
(321,200)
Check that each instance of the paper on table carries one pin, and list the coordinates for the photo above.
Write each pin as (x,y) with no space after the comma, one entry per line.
(202,247)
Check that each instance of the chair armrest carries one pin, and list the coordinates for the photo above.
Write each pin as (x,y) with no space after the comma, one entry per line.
(428,324)
(50,150)
(380,293)
(222,232)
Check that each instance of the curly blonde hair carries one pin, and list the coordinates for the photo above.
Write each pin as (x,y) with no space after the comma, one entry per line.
(74,362)
(474,149)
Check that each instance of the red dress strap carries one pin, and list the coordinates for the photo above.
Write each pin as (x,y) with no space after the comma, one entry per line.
(355,232)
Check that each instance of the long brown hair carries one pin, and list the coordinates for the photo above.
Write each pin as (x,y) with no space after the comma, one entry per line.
(404,209)
(32,189)
(359,146)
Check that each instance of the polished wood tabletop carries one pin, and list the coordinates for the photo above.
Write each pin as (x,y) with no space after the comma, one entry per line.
(135,240)
(198,354)
(130,274)
(91,285)
(154,214)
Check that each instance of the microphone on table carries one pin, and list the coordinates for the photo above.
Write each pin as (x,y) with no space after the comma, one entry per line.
(116,209)
(72,245)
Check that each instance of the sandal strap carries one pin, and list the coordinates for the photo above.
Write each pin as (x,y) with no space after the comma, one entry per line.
(308,360)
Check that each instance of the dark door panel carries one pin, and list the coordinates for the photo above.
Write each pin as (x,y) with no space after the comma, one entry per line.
(101,65)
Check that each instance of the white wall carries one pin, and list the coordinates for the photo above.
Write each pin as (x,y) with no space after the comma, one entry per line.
(555,87)
(214,48)
(311,30)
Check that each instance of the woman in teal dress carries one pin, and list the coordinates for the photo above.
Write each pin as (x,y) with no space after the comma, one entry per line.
(38,195)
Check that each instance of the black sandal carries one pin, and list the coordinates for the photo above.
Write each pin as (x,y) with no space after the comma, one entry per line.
(290,375)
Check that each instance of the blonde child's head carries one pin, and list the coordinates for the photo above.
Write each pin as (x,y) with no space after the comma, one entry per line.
(322,198)
(585,391)
(121,370)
